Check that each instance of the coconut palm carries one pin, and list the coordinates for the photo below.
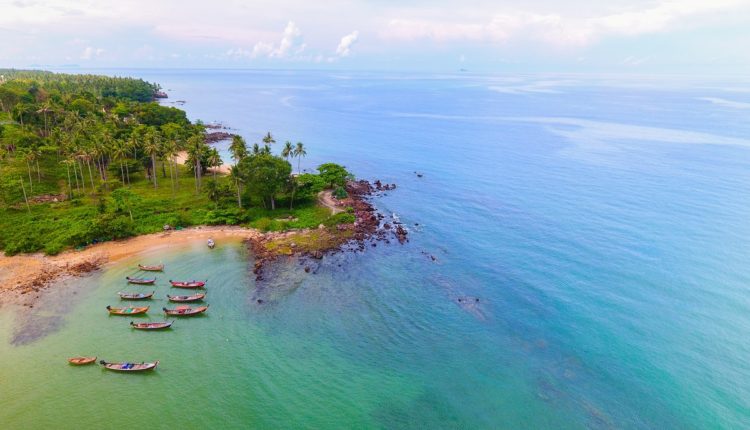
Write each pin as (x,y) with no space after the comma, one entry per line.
(152,146)
(299,152)
(118,152)
(288,150)
(234,173)
(238,148)
(197,149)
(214,160)
(268,139)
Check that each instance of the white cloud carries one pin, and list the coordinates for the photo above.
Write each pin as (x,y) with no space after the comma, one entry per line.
(346,43)
(290,46)
(555,28)
(90,52)
(291,43)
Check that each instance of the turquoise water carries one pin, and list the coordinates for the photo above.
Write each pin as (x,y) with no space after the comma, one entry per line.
(601,221)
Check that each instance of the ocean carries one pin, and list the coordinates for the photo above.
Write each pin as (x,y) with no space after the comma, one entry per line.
(591,267)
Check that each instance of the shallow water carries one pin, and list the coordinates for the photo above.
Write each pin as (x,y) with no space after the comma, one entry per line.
(600,221)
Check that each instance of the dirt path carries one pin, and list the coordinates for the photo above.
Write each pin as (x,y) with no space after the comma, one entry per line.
(326,199)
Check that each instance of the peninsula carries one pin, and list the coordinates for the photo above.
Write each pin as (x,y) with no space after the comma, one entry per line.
(86,160)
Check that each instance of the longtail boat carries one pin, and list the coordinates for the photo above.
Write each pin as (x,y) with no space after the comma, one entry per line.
(191,298)
(80,361)
(127,310)
(140,281)
(188,284)
(185,310)
(129,367)
(156,268)
(135,296)
(151,325)
(211,244)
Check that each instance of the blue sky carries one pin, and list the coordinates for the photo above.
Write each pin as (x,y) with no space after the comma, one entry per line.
(640,36)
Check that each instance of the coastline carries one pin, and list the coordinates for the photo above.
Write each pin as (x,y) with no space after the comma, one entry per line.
(24,276)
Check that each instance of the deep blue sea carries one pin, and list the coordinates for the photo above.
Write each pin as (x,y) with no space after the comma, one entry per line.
(602,222)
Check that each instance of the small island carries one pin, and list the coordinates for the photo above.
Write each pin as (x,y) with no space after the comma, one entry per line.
(87,160)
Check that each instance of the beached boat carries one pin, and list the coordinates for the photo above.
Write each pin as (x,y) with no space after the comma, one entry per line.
(135,296)
(185,310)
(151,325)
(188,284)
(140,281)
(129,367)
(211,244)
(191,298)
(157,268)
(80,361)
(127,310)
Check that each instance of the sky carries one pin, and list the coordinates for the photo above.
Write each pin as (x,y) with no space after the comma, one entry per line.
(640,36)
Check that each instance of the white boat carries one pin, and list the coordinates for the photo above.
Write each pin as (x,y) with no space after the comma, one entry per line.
(211,243)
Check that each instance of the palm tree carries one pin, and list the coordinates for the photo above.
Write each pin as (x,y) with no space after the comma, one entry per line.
(213,191)
(235,173)
(28,156)
(268,140)
(196,150)
(238,148)
(256,149)
(288,150)
(299,152)
(214,160)
(119,152)
(152,146)
(170,150)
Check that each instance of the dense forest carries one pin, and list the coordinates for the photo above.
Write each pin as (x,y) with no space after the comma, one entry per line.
(87,158)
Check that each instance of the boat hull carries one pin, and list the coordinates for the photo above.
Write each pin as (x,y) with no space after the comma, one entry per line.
(126,296)
(129,367)
(81,361)
(139,281)
(127,311)
(151,326)
(185,312)
(188,285)
(186,299)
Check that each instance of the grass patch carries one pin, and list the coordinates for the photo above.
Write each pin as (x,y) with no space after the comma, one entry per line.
(94,216)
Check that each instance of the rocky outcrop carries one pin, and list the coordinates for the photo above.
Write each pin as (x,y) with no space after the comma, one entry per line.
(217,136)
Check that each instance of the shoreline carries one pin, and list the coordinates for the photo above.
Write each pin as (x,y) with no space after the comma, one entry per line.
(26,275)
(23,277)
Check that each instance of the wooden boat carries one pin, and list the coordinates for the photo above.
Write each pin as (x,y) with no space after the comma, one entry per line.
(157,268)
(127,310)
(188,284)
(185,310)
(140,281)
(151,325)
(191,298)
(135,296)
(129,367)
(80,361)
(211,244)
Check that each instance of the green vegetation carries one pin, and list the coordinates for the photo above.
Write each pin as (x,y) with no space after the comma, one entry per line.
(88,158)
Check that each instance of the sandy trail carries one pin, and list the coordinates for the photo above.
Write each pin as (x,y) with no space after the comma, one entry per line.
(326,199)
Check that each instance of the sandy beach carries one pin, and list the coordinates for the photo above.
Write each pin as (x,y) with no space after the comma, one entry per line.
(29,273)
(224,169)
